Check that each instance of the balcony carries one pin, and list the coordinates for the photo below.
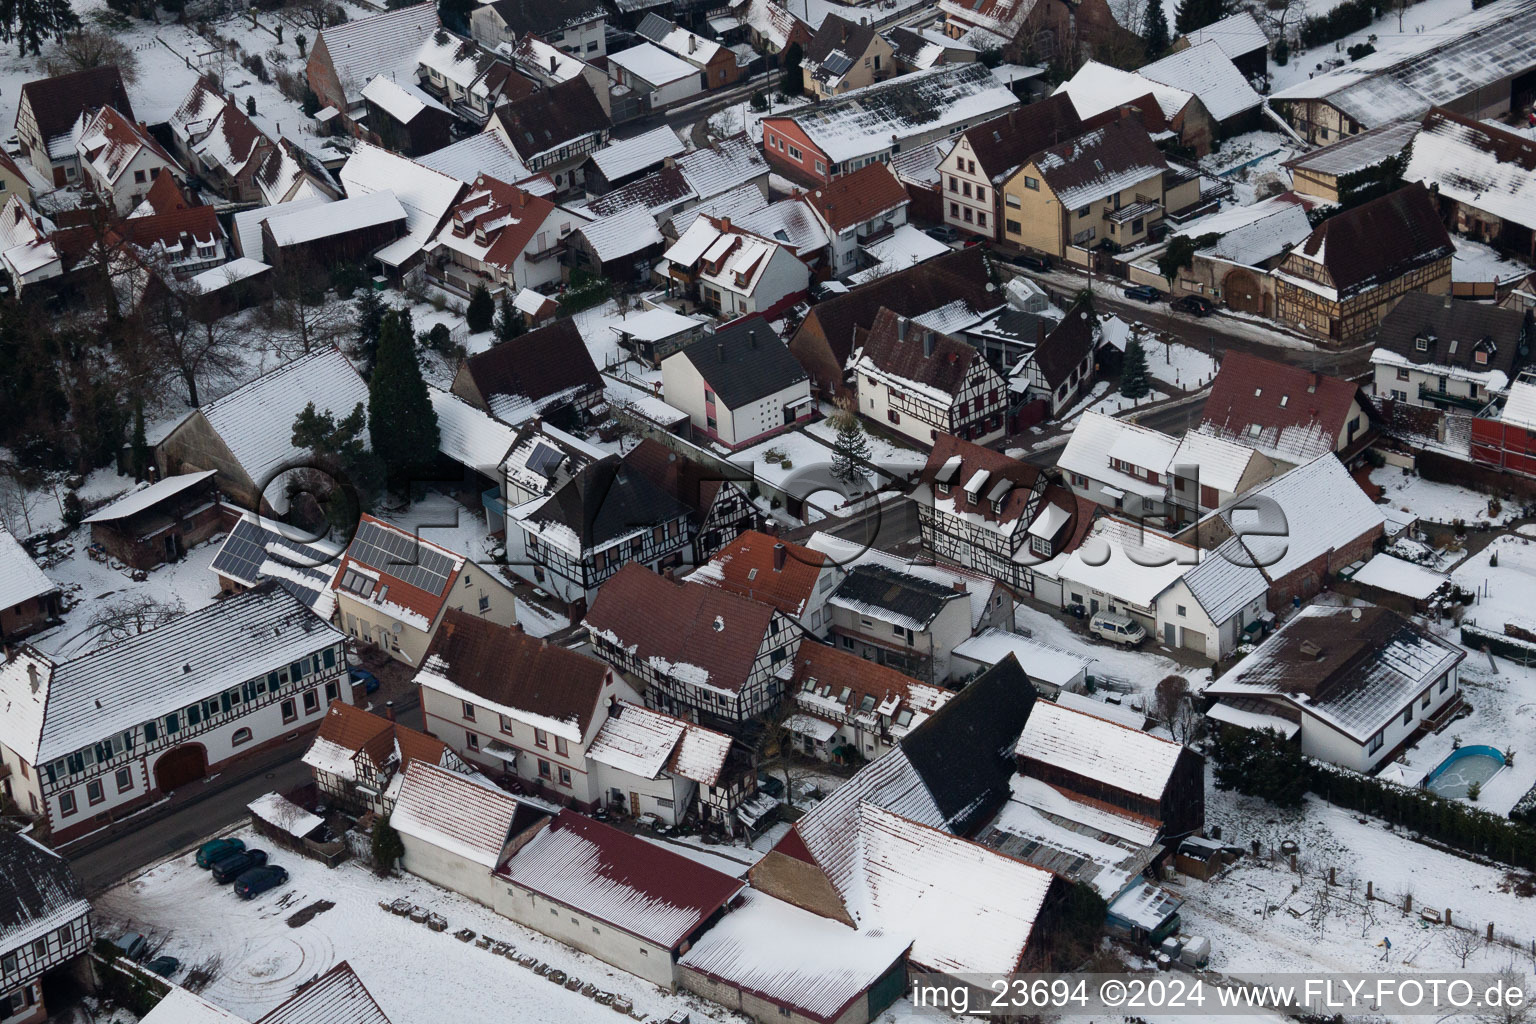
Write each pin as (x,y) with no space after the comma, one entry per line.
(1441,398)
(870,234)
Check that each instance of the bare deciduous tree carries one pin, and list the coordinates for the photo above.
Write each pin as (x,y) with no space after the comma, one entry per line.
(1174,706)
(133,615)
(191,339)
(301,313)
(93,48)
(1461,943)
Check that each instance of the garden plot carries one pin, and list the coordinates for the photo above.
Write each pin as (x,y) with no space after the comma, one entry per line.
(1306,932)
(1438,502)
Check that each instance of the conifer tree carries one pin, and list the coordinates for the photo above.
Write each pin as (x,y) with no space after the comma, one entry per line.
(370,319)
(29,23)
(1195,14)
(850,450)
(1155,29)
(509,322)
(140,450)
(1134,382)
(401,420)
(481,310)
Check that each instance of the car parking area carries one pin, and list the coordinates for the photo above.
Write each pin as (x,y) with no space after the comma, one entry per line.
(256,953)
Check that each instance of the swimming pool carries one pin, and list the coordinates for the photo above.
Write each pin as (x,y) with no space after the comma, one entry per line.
(1464,766)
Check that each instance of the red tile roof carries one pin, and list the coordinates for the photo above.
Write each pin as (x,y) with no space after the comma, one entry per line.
(745,566)
(1249,390)
(511,216)
(638,887)
(899,347)
(682,623)
(855,198)
(360,731)
(974,457)
(201,222)
(508,667)
(837,669)
(165,196)
(408,596)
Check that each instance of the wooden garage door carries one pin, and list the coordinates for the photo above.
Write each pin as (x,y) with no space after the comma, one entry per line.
(180,765)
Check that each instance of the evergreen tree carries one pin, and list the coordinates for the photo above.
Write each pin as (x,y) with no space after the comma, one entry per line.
(386,846)
(342,454)
(140,451)
(29,23)
(792,81)
(370,320)
(1134,381)
(850,451)
(401,420)
(481,310)
(509,322)
(1195,14)
(1155,29)
(1261,763)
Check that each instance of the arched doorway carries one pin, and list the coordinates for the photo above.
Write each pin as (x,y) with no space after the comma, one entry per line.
(1240,289)
(180,765)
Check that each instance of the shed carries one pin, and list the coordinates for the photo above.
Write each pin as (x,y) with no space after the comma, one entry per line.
(158,523)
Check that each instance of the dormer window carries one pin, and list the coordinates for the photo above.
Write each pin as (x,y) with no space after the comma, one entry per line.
(1480,357)
(1421,343)
(1258,392)
(997,507)
(944,489)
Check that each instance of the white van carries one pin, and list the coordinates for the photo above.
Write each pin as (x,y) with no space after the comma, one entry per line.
(1120,629)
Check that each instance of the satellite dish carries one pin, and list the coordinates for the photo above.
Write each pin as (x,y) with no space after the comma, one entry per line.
(395,627)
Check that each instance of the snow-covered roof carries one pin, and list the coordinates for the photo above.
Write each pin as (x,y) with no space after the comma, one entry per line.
(486,153)
(1252,234)
(355,213)
(248,223)
(673,37)
(744,258)
(848,554)
(146,497)
(793,957)
(1354,668)
(1127,562)
(789,221)
(1236,34)
(905,247)
(630,156)
(1042,661)
(1221,711)
(1220,462)
(1474,51)
(1097,88)
(336,997)
(739,203)
(1401,577)
(1357,152)
(99,694)
(454,813)
(259,549)
(425,194)
(20,578)
(621,234)
(1097,748)
(1207,72)
(653,65)
(1225,581)
(277,810)
(382,44)
(645,743)
(401,101)
(256,421)
(946,99)
(182,1007)
(1097,438)
(646,890)
(470,436)
(226,274)
(1100,163)
(23,243)
(1482,166)
(1313,509)
(655,324)
(1520,407)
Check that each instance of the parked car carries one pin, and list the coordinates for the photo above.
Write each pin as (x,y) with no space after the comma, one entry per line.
(165,966)
(943,233)
(1198,305)
(770,785)
(1120,629)
(213,849)
(368,679)
(256,881)
(131,945)
(1144,292)
(227,869)
(1034,262)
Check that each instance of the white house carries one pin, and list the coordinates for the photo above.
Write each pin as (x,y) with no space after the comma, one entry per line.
(518,706)
(89,739)
(1215,605)
(858,210)
(501,237)
(25,248)
(574,26)
(1356,683)
(658,77)
(645,763)
(121,160)
(736,273)
(920,383)
(45,922)
(791,577)
(738,385)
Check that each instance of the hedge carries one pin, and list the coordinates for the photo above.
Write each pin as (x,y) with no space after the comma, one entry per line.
(1451,822)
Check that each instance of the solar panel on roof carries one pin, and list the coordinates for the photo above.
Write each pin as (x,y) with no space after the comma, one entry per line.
(243,552)
(402,557)
(544,460)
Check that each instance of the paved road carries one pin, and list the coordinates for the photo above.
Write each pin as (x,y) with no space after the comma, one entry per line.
(180,822)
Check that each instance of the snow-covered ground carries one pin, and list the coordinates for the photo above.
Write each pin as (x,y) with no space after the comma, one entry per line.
(896,459)
(740,117)
(1141,668)
(1420,18)
(1437,502)
(417,976)
(1475,261)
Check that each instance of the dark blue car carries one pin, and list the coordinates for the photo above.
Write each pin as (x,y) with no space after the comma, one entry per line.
(259,880)
(368,679)
(228,868)
(1144,292)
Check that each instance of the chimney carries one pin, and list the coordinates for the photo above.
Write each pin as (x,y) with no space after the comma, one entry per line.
(32,679)
(927,343)
(554,63)
(959,586)
(613,706)
(901,330)
(389,710)
(725,224)
(1311,650)
(752,338)
(669,574)
(693,43)
(780,556)
(720,347)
